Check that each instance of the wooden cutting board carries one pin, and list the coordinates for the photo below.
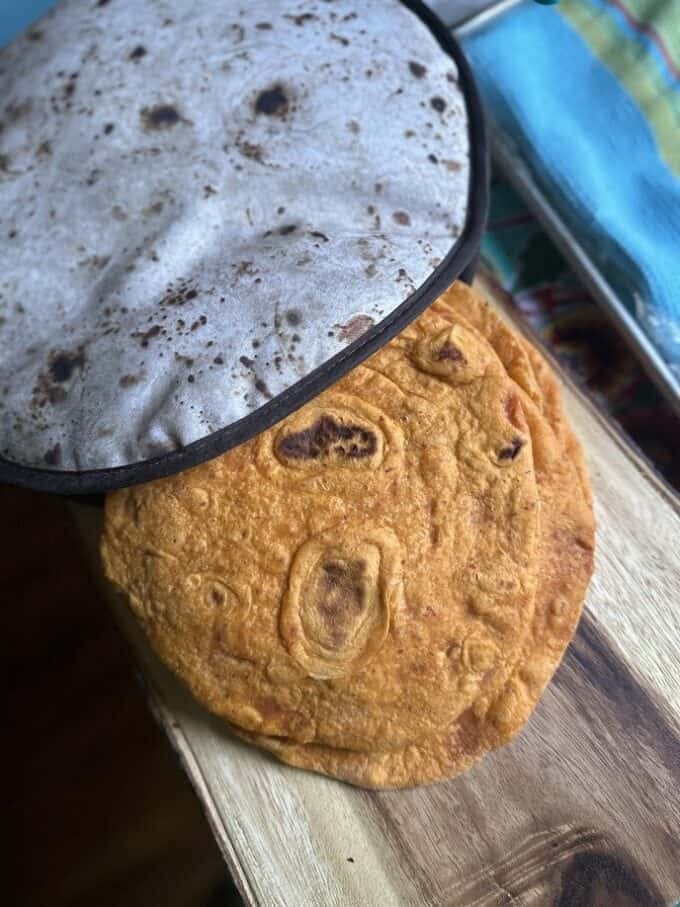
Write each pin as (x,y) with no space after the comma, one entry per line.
(582,809)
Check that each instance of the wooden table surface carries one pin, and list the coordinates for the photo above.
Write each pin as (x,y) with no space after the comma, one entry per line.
(582,809)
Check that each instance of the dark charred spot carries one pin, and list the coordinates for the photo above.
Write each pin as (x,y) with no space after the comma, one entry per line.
(190,379)
(129,380)
(339,39)
(261,386)
(450,352)
(402,218)
(137,54)
(510,452)
(246,361)
(301,18)
(354,127)
(208,191)
(287,229)
(35,34)
(63,364)
(417,69)
(438,103)
(103,2)
(293,317)
(162,116)
(145,336)
(328,437)
(218,360)
(12,234)
(272,102)
(450,77)
(318,235)
(433,158)
(53,455)
(263,26)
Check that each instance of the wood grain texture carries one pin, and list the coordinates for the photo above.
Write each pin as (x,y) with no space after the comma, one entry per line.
(582,809)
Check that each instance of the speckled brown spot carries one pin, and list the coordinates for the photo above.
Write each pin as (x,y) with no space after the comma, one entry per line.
(263,26)
(250,150)
(293,317)
(318,235)
(301,18)
(417,69)
(438,103)
(261,386)
(129,380)
(402,218)
(287,229)
(246,361)
(354,328)
(162,116)
(272,102)
(354,127)
(145,336)
(137,53)
(339,39)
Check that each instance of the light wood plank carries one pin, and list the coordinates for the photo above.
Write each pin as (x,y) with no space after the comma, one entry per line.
(590,789)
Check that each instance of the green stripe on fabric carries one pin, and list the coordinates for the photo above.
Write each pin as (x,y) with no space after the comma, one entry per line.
(663,14)
(637,71)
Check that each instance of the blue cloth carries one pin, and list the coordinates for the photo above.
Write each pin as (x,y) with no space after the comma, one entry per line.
(594,152)
(16,15)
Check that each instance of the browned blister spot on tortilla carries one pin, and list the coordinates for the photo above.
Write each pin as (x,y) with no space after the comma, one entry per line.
(450,352)
(328,439)
(511,451)
(338,598)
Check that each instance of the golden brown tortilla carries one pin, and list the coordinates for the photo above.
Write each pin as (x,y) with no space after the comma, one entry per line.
(355,587)
(354,590)
(565,557)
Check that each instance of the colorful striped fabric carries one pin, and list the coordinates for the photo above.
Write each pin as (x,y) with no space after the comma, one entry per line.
(589,93)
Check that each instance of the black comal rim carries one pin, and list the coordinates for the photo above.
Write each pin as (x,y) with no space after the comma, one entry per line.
(459,262)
